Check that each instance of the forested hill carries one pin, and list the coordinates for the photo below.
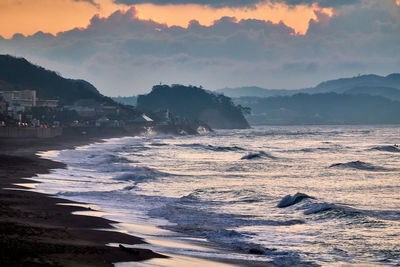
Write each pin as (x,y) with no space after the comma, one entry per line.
(194,103)
(19,74)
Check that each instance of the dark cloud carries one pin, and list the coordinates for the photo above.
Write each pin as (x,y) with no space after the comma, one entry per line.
(124,55)
(240,3)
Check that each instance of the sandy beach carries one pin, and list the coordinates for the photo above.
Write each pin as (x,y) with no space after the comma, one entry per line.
(41,230)
(35,231)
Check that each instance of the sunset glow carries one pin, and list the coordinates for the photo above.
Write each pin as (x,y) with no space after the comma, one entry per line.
(56,16)
(48,16)
(295,17)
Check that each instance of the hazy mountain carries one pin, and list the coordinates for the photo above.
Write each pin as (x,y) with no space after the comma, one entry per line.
(367,84)
(19,74)
(194,103)
(345,84)
(388,92)
(324,108)
(254,91)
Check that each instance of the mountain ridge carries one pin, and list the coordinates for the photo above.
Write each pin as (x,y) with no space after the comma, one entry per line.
(340,85)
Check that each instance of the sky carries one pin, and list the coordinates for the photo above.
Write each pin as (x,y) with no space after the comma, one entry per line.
(124,47)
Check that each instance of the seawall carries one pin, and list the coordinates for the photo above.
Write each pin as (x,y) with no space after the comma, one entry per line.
(21,132)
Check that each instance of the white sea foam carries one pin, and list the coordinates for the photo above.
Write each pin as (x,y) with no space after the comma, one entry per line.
(199,187)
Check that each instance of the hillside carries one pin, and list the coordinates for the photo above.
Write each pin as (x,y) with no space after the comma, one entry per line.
(325,108)
(19,74)
(195,103)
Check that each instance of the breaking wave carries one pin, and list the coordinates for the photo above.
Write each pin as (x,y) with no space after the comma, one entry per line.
(110,158)
(394,148)
(359,165)
(258,155)
(140,173)
(290,200)
(213,148)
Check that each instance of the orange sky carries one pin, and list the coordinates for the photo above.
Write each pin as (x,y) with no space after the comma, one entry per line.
(53,16)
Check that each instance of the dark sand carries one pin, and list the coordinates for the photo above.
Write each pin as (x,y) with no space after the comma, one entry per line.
(35,231)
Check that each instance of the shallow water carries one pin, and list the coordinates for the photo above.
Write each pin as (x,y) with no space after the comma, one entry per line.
(224,188)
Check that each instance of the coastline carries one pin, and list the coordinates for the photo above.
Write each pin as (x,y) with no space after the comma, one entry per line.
(39,229)
(36,231)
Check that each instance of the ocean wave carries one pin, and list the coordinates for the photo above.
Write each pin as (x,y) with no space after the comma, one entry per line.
(213,148)
(290,200)
(359,165)
(288,132)
(394,148)
(220,234)
(315,207)
(159,144)
(139,174)
(319,207)
(315,149)
(189,198)
(216,196)
(258,155)
(109,158)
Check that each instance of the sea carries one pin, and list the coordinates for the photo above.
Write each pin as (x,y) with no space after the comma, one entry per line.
(293,195)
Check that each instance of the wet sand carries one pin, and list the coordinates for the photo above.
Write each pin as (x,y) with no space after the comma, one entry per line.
(35,231)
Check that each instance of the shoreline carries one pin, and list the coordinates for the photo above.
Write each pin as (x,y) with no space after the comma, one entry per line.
(37,221)
(36,231)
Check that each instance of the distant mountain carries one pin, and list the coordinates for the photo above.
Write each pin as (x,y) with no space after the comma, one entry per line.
(323,108)
(126,100)
(194,103)
(388,92)
(254,91)
(363,84)
(19,74)
(345,84)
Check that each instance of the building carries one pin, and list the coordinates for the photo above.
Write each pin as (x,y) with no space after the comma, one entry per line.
(25,98)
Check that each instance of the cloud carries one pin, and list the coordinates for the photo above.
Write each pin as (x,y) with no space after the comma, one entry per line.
(124,55)
(321,3)
(239,3)
(92,2)
(213,3)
